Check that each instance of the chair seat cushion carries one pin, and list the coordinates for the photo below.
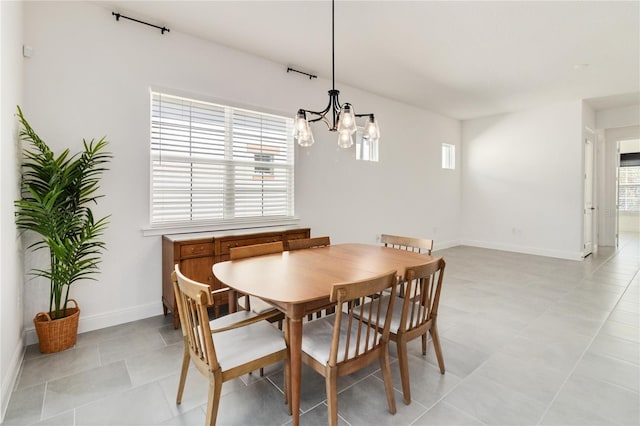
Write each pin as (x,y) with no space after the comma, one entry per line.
(317,336)
(244,344)
(258,305)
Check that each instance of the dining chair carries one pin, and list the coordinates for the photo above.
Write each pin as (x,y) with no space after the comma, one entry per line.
(305,243)
(253,303)
(224,348)
(417,245)
(415,315)
(413,244)
(340,344)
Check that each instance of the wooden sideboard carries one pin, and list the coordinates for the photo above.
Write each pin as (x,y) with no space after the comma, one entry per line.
(197,252)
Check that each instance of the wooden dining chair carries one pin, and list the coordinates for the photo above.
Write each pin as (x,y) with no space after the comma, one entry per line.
(308,243)
(224,348)
(340,344)
(305,243)
(417,245)
(415,315)
(412,244)
(253,303)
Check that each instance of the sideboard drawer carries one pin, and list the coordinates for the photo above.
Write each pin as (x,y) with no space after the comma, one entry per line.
(196,250)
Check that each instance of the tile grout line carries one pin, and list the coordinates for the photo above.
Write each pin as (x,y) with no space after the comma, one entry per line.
(571,373)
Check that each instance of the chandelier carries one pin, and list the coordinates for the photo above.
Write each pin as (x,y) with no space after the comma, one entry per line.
(338,117)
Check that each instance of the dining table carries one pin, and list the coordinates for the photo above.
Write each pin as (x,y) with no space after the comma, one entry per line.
(299,282)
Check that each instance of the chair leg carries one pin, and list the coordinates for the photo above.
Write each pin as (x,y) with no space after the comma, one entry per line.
(436,345)
(386,376)
(213,400)
(424,344)
(403,362)
(183,372)
(331,382)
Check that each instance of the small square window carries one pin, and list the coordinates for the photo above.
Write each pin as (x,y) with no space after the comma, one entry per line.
(366,150)
(448,156)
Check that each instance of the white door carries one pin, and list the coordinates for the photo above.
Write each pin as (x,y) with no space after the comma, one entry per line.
(587,247)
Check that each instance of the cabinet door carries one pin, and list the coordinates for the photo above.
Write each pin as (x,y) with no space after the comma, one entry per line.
(198,269)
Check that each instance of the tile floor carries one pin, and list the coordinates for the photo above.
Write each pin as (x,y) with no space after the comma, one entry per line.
(526,340)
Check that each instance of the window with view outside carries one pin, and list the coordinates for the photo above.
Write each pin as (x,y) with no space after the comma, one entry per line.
(448,156)
(629,189)
(218,164)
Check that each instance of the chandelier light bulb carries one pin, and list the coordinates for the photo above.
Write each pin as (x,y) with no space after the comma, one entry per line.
(345,140)
(347,120)
(302,131)
(371,130)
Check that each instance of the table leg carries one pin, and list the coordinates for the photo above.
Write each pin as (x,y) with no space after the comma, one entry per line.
(295,360)
(233,301)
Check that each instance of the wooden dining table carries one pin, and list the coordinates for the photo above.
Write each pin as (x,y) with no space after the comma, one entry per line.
(299,282)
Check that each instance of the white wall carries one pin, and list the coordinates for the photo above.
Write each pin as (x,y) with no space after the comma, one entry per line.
(618,117)
(11,270)
(522,182)
(406,193)
(90,76)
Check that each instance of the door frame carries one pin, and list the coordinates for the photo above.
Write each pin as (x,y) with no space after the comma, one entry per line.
(589,212)
(607,194)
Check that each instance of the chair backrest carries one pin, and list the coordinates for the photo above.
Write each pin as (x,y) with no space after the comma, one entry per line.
(422,294)
(362,334)
(418,245)
(305,243)
(192,299)
(242,252)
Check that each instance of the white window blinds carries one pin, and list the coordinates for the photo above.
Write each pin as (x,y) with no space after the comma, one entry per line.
(217,164)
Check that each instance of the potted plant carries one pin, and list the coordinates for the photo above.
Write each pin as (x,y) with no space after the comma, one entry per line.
(57,192)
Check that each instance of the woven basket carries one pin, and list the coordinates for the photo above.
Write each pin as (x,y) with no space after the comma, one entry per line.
(55,335)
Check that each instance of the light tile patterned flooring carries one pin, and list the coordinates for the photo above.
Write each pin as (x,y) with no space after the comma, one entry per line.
(526,340)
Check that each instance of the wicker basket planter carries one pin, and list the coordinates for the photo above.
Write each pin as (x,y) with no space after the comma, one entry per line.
(55,335)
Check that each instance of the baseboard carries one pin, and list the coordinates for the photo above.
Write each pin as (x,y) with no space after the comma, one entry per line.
(13,372)
(107,319)
(559,254)
(441,245)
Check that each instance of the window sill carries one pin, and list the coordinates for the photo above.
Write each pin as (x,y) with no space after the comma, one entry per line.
(187,229)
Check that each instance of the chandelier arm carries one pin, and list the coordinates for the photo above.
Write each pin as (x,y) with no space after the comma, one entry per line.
(364,115)
(320,114)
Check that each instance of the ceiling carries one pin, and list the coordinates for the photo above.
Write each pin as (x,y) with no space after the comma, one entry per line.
(462,59)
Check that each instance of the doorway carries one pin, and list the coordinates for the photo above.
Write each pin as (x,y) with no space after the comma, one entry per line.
(610,220)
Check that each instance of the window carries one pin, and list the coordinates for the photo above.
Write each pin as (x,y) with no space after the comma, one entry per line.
(448,156)
(218,164)
(366,149)
(629,189)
